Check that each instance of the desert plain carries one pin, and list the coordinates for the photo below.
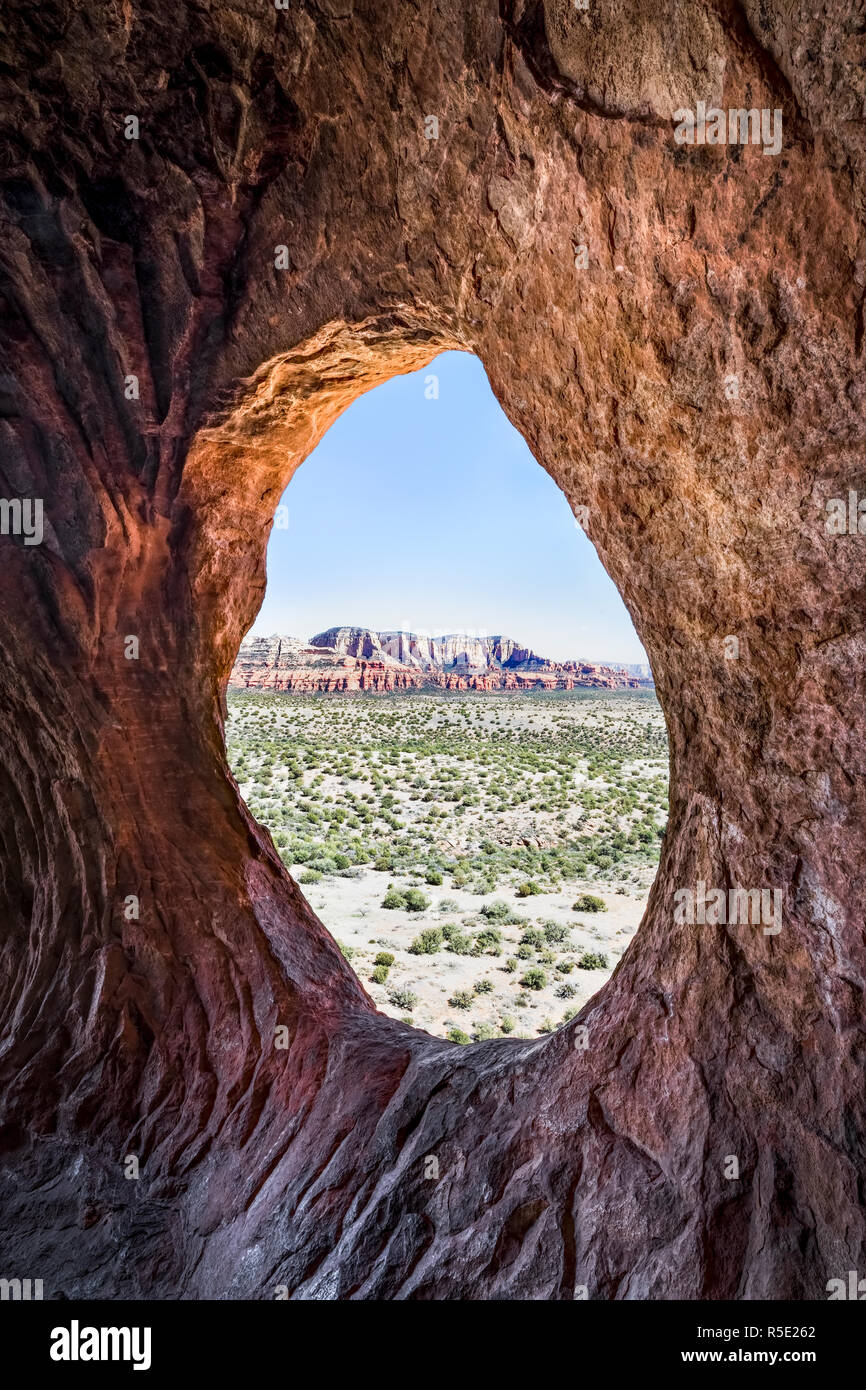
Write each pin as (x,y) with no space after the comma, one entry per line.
(482,858)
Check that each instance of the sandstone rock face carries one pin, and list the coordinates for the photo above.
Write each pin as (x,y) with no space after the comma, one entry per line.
(288,664)
(352,658)
(220,224)
(351,641)
(258,655)
(454,651)
(457,651)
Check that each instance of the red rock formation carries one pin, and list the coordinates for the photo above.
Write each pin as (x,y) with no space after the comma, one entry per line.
(677,330)
(284,663)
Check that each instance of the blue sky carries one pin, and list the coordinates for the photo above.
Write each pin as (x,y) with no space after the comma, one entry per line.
(432,515)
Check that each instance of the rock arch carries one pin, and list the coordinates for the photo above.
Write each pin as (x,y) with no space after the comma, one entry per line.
(694,378)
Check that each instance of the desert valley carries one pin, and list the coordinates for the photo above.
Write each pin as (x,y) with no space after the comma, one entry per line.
(476,826)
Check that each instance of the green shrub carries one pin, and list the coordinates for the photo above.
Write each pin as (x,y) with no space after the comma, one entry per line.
(347,951)
(461,1000)
(394,898)
(498,911)
(447,905)
(456,1035)
(490,939)
(433,876)
(534,978)
(529,889)
(384,958)
(593,960)
(428,942)
(588,902)
(484,1032)
(379,974)
(484,987)
(323,864)
(532,937)
(566,992)
(507,1024)
(510,965)
(416,901)
(403,998)
(557,934)
(310,876)
(524,953)
(458,941)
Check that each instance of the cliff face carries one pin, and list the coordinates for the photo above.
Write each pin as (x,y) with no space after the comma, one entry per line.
(351,641)
(285,663)
(350,658)
(220,225)
(457,651)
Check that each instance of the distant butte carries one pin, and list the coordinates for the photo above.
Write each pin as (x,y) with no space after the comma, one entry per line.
(359,658)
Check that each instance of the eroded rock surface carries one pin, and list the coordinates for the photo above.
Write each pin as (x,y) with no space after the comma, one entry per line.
(352,658)
(318,198)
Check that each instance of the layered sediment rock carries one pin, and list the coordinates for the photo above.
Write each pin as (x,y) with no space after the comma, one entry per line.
(360,659)
(220,225)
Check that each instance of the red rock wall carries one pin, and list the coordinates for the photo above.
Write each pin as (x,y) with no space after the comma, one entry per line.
(695,382)
(343,662)
(350,673)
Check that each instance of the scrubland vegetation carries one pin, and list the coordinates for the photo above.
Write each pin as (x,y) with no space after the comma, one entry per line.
(498,845)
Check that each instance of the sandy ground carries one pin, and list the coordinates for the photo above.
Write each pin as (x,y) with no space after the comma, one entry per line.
(351,908)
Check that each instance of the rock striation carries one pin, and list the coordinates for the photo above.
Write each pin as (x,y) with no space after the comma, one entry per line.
(351,658)
(219,225)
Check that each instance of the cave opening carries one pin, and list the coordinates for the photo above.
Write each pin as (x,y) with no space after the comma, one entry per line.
(444,718)
(679,339)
